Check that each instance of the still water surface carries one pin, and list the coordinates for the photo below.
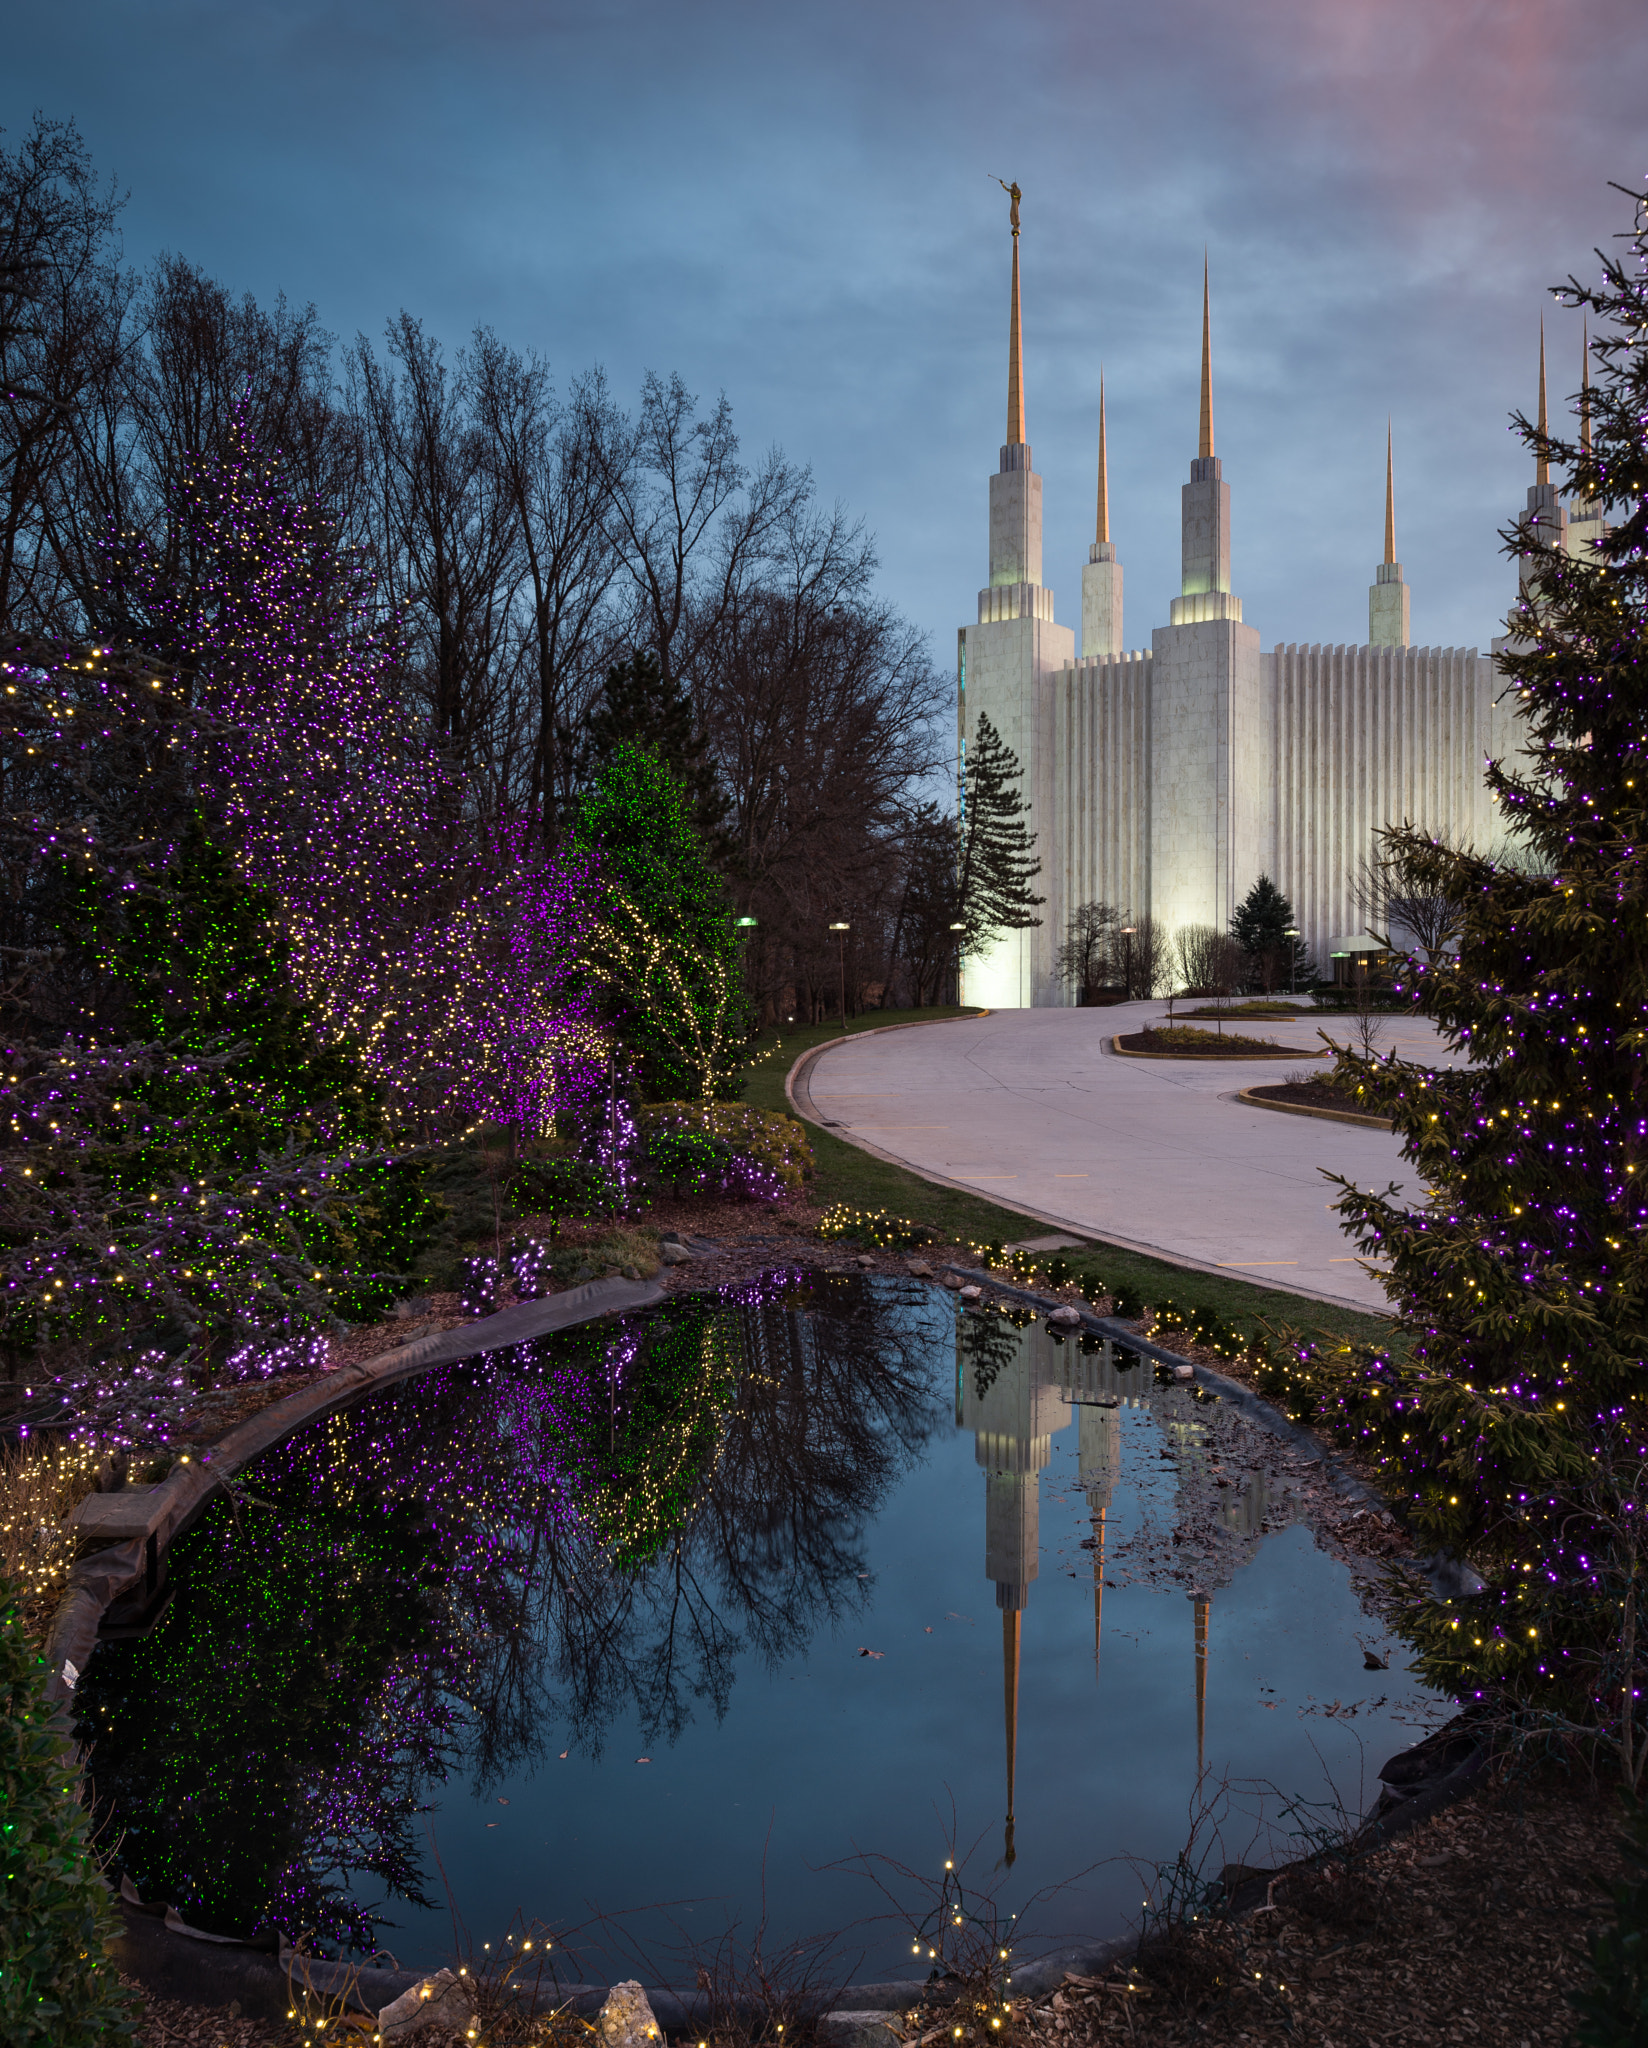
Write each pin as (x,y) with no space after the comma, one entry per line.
(660,1612)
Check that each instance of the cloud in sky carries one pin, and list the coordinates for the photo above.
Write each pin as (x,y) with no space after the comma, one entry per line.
(797,206)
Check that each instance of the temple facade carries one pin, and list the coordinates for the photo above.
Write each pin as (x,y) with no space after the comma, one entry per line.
(1165,779)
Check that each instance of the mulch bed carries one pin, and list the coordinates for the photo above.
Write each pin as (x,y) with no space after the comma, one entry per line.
(1470,1928)
(1231,1045)
(1316,1093)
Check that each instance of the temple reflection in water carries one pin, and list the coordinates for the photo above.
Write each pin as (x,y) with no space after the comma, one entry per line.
(1016,1385)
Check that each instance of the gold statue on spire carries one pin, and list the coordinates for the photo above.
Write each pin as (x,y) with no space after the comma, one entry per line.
(1204,447)
(1015,341)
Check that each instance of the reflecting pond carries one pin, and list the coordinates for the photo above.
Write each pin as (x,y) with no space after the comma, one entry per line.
(699,1605)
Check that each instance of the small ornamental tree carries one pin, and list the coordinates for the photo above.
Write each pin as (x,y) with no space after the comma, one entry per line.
(664,950)
(58,1988)
(996,867)
(1521,1283)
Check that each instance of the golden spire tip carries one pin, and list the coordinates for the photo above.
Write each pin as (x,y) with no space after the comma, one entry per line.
(1015,340)
(1390,499)
(1205,444)
(1542,468)
(1101,529)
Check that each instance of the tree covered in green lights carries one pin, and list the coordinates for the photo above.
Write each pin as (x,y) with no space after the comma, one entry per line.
(665,951)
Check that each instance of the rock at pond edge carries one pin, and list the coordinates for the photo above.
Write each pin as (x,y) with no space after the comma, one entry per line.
(626,2020)
(438,2001)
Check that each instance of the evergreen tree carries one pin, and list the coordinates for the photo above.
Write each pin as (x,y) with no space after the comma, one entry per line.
(665,950)
(639,705)
(1521,1283)
(200,962)
(996,868)
(58,1988)
(1262,927)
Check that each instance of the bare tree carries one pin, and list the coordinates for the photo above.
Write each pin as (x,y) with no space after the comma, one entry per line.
(445,530)
(694,527)
(1086,957)
(61,296)
(1209,961)
(1392,897)
(1142,960)
(558,463)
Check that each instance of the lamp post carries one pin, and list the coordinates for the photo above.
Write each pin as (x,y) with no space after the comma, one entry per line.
(841,930)
(1291,934)
(958,929)
(1128,931)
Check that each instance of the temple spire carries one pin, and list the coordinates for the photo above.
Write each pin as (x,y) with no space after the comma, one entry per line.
(1015,348)
(1205,444)
(1542,469)
(1010,1620)
(1201,1603)
(1101,527)
(1584,397)
(1390,498)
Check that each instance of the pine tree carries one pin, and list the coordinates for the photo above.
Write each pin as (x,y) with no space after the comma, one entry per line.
(1521,1284)
(58,1988)
(1263,928)
(996,868)
(665,951)
(641,706)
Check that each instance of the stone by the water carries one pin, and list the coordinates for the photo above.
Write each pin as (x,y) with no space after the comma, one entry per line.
(627,2020)
(441,2001)
(673,1254)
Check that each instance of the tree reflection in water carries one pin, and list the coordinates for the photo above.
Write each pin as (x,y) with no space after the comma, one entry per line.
(505,1554)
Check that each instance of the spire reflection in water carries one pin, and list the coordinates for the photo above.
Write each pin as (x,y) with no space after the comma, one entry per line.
(685,1608)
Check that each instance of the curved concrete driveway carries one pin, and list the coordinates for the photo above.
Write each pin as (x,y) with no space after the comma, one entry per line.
(1032,1108)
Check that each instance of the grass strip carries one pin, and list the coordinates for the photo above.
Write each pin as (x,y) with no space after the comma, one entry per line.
(846,1174)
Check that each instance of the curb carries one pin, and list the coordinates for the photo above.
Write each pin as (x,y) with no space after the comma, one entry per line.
(793,1078)
(1332,1116)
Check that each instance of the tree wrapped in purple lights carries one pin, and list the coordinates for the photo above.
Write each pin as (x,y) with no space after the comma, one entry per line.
(1521,1284)
(445,951)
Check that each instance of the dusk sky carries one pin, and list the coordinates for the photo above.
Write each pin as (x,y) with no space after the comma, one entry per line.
(798,206)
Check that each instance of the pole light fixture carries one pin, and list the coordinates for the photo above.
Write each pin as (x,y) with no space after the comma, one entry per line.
(744,923)
(841,930)
(958,928)
(1291,933)
(1128,931)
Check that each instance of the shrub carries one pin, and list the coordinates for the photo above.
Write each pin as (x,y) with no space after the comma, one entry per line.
(875,1227)
(58,1988)
(560,1187)
(678,1134)
(478,1283)
(1613,2007)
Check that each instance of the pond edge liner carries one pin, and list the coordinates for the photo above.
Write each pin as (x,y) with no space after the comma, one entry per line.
(172,1960)
(97,1580)
(798,1094)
